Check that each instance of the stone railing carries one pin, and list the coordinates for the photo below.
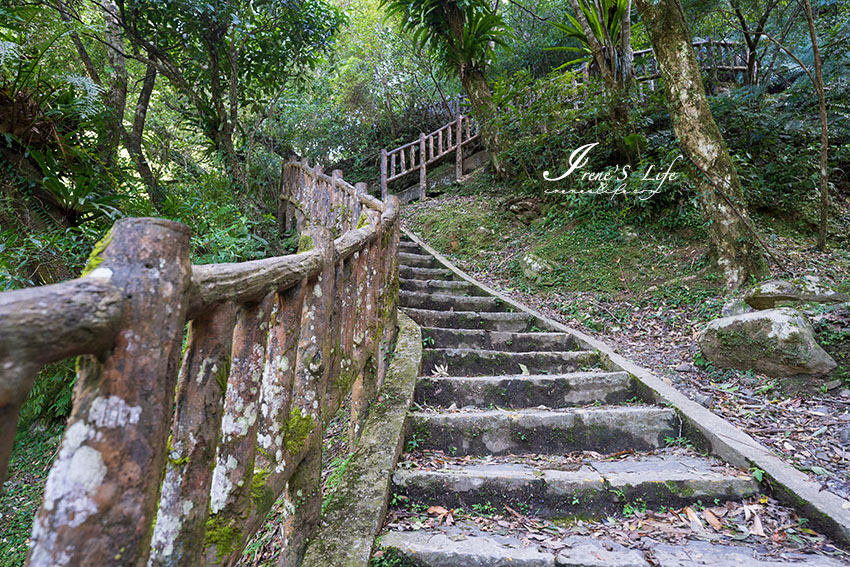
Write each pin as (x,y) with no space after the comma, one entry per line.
(203,391)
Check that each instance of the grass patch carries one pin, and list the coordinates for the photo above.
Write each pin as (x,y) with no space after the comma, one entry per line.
(32,457)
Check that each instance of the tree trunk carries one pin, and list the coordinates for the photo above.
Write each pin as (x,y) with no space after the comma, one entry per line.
(116,95)
(78,43)
(221,129)
(731,239)
(824,128)
(133,139)
(481,99)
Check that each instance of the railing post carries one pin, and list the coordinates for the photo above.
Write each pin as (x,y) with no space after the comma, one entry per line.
(459,149)
(232,478)
(357,207)
(304,429)
(102,492)
(423,178)
(178,536)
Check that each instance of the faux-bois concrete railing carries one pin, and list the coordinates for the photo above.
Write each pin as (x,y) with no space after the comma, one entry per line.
(177,462)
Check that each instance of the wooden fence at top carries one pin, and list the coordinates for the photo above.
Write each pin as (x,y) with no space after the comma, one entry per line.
(713,56)
(426,150)
(175,459)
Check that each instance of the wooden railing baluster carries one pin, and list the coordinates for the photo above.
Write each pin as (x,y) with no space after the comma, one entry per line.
(233,479)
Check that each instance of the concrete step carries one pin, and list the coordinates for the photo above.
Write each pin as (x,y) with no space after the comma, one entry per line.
(470,362)
(446,302)
(467,545)
(417,260)
(499,432)
(447,287)
(510,322)
(407,272)
(495,340)
(409,246)
(590,489)
(554,391)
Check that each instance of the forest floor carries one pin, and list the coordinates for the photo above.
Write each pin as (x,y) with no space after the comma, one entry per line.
(647,291)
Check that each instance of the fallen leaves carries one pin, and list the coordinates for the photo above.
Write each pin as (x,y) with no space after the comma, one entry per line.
(443,515)
(712,519)
(776,530)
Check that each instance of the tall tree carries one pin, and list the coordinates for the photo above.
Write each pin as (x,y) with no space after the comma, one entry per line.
(463,34)
(226,58)
(752,31)
(732,239)
(824,125)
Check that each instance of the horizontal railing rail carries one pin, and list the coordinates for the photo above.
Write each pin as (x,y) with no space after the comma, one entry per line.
(174,456)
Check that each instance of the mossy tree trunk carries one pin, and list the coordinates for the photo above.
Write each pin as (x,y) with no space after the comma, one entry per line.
(732,241)
(475,84)
(481,99)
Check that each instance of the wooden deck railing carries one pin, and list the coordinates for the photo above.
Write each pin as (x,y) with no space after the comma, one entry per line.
(426,150)
(177,448)
(713,56)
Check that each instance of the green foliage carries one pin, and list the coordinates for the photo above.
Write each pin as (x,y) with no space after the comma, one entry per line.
(462,33)
(32,455)
(604,20)
(218,50)
(338,466)
(221,230)
(51,397)
(391,558)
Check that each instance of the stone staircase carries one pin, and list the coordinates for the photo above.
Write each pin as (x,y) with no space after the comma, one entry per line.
(530,425)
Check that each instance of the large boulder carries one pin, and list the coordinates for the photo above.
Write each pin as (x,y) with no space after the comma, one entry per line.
(776,342)
(807,289)
(535,268)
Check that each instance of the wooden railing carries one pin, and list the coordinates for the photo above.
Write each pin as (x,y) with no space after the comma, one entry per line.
(426,150)
(173,456)
(713,56)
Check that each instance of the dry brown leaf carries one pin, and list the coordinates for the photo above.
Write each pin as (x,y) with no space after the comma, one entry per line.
(693,520)
(712,519)
(757,528)
(437,511)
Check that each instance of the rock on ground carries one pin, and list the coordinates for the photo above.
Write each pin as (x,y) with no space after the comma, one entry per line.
(534,267)
(806,289)
(775,342)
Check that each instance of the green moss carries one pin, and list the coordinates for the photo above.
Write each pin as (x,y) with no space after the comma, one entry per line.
(347,376)
(96,256)
(305,243)
(222,375)
(681,490)
(261,493)
(363,220)
(223,534)
(176,462)
(296,430)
